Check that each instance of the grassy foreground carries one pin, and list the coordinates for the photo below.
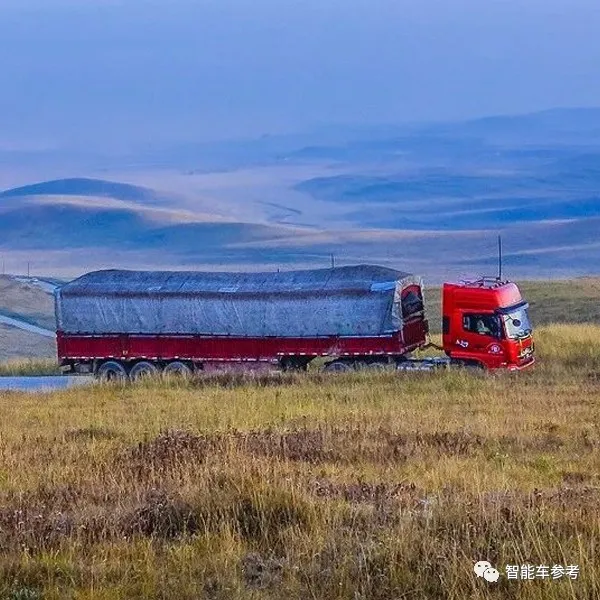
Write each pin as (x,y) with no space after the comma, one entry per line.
(362,486)
(26,367)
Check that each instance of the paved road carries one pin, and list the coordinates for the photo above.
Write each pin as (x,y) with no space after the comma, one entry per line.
(26,326)
(42,384)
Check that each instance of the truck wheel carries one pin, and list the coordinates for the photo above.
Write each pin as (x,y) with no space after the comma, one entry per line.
(364,365)
(141,370)
(338,366)
(111,370)
(378,366)
(178,369)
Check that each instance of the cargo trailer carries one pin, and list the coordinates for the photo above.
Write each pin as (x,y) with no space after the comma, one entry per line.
(126,324)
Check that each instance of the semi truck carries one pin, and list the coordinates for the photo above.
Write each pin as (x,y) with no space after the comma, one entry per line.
(122,325)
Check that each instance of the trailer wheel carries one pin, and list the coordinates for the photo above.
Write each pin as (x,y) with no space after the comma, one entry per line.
(178,369)
(338,366)
(111,370)
(142,369)
(367,365)
(378,366)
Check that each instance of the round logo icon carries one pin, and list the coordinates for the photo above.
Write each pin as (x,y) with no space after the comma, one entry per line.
(484,569)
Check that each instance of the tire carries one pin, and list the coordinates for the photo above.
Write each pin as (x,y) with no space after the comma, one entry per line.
(378,366)
(364,365)
(111,370)
(338,366)
(142,370)
(178,369)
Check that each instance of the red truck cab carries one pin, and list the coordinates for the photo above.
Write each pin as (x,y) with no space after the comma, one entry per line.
(485,323)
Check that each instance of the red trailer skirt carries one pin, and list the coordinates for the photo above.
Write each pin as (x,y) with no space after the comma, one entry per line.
(212,348)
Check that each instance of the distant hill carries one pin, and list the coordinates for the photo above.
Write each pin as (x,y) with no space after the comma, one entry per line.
(566,122)
(486,173)
(60,226)
(85,187)
(429,198)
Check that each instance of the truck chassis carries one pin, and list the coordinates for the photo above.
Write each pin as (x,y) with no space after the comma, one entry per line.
(132,356)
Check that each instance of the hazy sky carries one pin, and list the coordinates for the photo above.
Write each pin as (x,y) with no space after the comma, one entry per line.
(184,69)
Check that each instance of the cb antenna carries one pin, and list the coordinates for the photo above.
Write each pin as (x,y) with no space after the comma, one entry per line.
(499,258)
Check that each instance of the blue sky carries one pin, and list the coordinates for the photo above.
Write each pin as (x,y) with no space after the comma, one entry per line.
(135,70)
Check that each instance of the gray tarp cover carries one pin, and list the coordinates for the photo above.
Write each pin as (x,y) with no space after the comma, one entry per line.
(347,301)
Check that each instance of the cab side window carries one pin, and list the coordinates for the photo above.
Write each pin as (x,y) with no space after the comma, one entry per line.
(482,324)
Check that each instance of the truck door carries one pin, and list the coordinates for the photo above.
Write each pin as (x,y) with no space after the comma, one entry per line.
(480,338)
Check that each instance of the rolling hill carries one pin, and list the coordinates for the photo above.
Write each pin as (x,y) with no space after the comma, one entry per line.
(112,219)
(60,226)
(85,187)
(430,198)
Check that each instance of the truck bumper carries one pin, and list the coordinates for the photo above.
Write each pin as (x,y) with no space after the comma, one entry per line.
(525,365)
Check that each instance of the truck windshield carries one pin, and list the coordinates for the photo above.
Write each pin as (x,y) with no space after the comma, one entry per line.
(516,323)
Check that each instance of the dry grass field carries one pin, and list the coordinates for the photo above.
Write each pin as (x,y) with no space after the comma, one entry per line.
(29,367)
(362,486)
